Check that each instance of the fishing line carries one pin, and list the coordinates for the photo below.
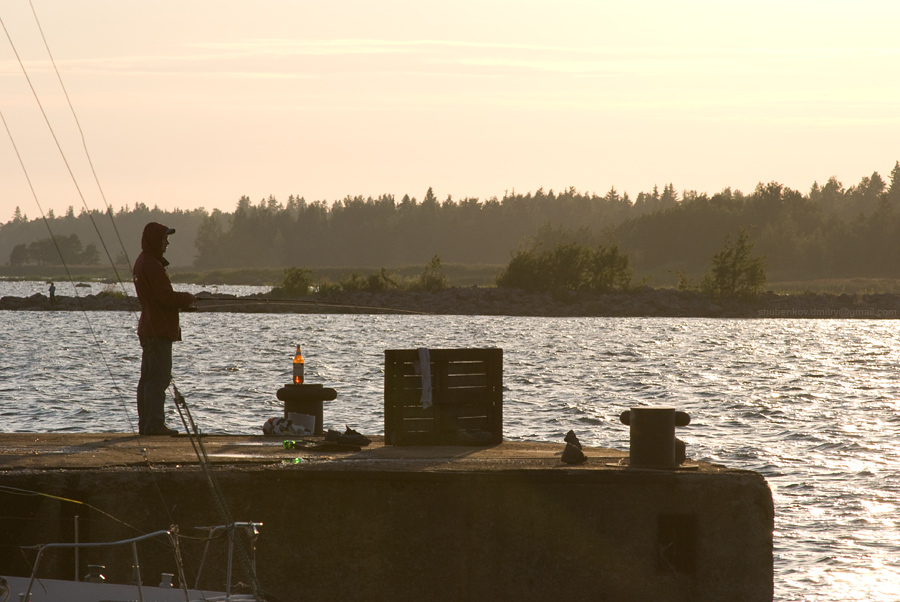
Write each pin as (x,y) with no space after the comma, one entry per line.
(30,493)
(323,304)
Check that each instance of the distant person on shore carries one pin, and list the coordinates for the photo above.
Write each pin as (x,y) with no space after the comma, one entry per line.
(52,294)
(158,328)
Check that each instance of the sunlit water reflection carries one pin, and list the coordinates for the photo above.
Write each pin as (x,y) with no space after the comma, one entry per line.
(812,405)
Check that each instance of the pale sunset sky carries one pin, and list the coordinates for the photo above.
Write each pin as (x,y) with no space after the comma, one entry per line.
(195,103)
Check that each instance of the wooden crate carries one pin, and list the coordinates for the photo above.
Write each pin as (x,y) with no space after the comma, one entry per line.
(467,397)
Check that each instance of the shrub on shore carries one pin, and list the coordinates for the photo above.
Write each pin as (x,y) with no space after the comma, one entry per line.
(735,273)
(568,267)
(298,282)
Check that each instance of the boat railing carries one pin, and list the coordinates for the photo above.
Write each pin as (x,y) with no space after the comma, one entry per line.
(251,529)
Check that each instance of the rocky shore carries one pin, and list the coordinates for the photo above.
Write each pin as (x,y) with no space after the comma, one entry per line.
(646,302)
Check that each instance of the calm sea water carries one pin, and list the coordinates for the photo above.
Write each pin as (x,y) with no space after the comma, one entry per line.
(812,405)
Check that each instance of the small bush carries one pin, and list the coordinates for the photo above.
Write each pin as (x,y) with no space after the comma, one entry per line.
(373,283)
(300,282)
(735,273)
(432,279)
(684,283)
(609,270)
(523,272)
(568,267)
(112,292)
(380,281)
(296,282)
(353,283)
(327,287)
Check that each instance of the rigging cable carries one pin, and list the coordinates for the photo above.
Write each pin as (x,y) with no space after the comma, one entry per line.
(84,145)
(198,445)
(119,394)
(65,265)
(41,209)
(58,146)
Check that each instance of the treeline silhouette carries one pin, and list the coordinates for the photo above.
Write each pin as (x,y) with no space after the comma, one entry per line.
(47,251)
(127,224)
(829,231)
(375,232)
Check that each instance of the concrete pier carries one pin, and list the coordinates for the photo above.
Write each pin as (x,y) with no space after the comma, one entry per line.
(505,522)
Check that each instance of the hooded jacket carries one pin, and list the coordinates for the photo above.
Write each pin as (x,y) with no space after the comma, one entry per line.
(159,302)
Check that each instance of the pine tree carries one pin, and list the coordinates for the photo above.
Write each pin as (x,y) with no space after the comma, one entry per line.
(893,191)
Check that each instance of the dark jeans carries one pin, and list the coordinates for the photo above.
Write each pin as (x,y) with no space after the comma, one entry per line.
(156,374)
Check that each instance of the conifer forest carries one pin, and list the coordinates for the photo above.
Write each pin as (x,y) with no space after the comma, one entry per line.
(829,231)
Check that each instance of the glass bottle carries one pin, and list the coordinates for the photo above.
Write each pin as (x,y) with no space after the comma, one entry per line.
(298,367)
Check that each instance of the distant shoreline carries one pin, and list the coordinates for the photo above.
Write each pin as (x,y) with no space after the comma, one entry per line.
(473,300)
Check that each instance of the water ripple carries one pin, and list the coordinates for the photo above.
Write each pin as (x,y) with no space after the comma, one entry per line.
(811,404)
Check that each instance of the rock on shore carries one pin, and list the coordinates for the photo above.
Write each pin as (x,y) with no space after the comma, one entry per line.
(98,302)
(645,302)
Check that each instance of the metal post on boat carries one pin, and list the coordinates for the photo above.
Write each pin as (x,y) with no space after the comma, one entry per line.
(230,556)
(137,572)
(175,538)
(77,577)
(252,534)
(203,558)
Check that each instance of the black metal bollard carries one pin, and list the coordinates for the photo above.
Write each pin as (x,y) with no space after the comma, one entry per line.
(652,436)
(306,399)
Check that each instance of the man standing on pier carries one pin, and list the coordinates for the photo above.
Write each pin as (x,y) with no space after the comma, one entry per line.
(158,328)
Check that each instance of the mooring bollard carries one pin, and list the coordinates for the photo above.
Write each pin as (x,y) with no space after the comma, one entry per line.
(652,437)
(307,400)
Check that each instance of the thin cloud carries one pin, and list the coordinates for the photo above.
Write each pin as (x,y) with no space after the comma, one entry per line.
(220,58)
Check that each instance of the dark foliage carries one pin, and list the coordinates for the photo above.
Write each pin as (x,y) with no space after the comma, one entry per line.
(830,232)
(54,252)
(570,267)
(735,273)
(301,281)
(125,225)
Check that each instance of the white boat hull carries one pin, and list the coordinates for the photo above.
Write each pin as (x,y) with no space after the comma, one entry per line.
(57,590)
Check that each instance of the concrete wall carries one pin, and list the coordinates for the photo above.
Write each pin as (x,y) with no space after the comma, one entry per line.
(613,535)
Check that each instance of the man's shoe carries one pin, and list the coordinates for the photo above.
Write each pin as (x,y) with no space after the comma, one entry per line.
(163,431)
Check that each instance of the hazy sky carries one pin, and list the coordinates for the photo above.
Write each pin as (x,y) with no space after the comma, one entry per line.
(196,103)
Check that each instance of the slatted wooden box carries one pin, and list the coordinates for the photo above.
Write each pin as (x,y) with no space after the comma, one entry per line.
(467,397)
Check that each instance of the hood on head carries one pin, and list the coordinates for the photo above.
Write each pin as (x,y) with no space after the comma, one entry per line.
(153,237)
